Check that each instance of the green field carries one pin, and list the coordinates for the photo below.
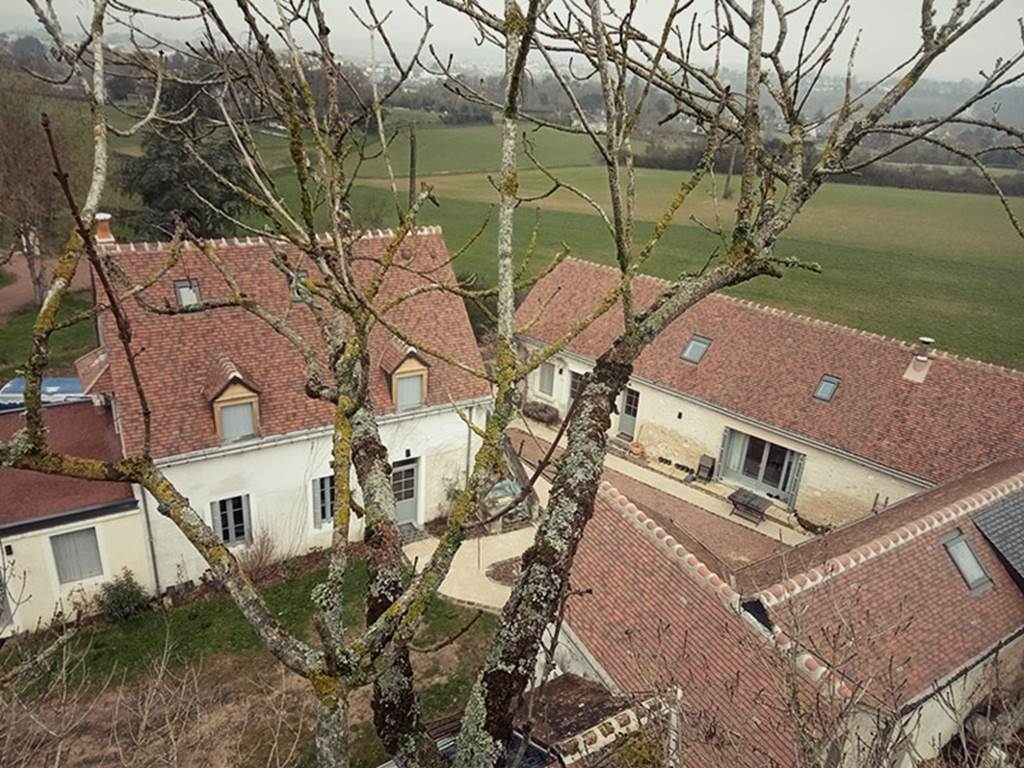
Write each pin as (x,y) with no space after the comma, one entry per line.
(903,263)
(898,262)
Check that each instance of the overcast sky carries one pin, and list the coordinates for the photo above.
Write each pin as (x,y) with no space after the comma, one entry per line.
(890,30)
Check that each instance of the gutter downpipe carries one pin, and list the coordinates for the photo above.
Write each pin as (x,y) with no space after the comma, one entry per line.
(152,545)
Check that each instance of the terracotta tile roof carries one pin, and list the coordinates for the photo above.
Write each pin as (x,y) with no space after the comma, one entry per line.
(221,374)
(904,592)
(868,622)
(180,351)
(765,363)
(770,570)
(93,369)
(81,429)
(655,616)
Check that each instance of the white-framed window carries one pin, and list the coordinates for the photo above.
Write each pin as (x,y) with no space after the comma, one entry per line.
(760,466)
(76,555)
(186,293)
(966,561)
(231,519)
(409,391)
(237,421)
(546,379)
(323,500)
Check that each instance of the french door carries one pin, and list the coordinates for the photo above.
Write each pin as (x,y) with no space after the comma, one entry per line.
(760,465)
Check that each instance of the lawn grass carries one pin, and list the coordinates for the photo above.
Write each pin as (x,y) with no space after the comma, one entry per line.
(213,628)
(65,347)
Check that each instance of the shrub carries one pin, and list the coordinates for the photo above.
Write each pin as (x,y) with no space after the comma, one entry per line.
(122,598)
(542,412)
(259,559)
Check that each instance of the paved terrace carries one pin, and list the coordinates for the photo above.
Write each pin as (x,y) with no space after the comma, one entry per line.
(724,542)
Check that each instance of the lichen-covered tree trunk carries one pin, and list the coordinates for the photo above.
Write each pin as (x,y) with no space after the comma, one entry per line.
(536,596)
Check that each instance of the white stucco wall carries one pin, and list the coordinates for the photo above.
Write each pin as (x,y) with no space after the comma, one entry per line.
(833,487)
(31,573)
(277,475)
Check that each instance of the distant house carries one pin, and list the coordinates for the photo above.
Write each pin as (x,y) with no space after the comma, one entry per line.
(887,632)
(61,538)
(824,420)
(232,425)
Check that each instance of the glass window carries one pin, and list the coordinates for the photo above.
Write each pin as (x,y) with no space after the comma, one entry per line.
(403,483)
(231,517)
(409,390)
(547,378)
(186,293)
(237,421)
(77,555)
(695,349)
(754,455)
(323,500)
(759,465)
(826,388)
(966,561)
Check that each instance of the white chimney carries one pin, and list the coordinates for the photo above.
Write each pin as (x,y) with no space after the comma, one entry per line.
(103,233)
(917,371)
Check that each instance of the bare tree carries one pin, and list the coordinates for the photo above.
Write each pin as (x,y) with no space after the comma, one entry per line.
(266,65)
(32,210)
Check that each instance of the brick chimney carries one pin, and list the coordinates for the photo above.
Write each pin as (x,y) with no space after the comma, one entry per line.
(103,233)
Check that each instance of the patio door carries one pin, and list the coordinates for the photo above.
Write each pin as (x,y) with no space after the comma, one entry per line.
(761,466)
(403,483)
(630,408)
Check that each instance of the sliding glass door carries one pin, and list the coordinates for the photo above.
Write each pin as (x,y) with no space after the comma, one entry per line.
(760,466)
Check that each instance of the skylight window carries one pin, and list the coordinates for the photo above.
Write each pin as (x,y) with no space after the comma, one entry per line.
(826,388)
(966,561)
(186,293)
(696,348)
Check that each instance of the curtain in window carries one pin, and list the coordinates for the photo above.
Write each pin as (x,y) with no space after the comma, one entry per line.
(410,391)
(236,421)
(77,555)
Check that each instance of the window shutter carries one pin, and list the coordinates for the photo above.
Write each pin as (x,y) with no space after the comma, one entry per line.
(794,483)
(246,517)
(720,464)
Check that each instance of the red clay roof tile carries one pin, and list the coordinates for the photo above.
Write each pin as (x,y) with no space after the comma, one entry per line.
(765,363)
(178,351)
(79,429)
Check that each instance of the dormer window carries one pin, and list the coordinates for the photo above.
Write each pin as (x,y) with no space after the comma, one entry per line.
(235,401)
(695,349)
(186,293)
(408,374)
(826,388)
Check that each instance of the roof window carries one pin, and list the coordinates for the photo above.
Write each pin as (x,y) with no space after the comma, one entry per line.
(966,561)
(826,388)
(696,348)
(186,293)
